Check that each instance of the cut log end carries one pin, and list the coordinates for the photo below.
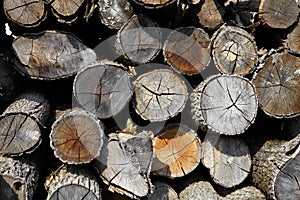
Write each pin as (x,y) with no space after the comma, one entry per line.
(153,4)
(163,191)
(200,190)
(249,193)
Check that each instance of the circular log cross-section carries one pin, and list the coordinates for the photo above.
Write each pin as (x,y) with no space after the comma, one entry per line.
(103,88)
(202,190)
(234,51)
(249,192)
(29,13)
(66,8)
(278,85)
(139,39)
(51,55)
(177,151)
(293,39)
(227,104)
(163,191)
(278,13)
(187,50)
(154,4)
(159,95)
(76,137)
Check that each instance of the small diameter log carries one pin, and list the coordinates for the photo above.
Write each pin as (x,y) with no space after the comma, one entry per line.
(227,158)
(293,39)
(211,14)
(154,4)
(177,151)
(234,51)
(72,183)
(103,88)
(202,190)
(76,137)
(278,14)
(51,55)
(20,124)
(249,193)
(187,50)
(278,85)
(163,191)
(159,95)
(114,13)
(29,13)
(227,104)
(139,40)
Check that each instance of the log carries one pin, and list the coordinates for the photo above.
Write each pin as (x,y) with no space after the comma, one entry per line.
(276,169)
(202,190)
(177,151)
(139,39)
(21,124)
(187,50)
(154,4)
(51,55)
(159,95)
(227,104)
(234,51)
(76,137)
(114,13)
(163,191)
(278,14)
(293,41)
(103,88)
(70,182)
(29,13)
(278,85)
(249,193)
(227,158)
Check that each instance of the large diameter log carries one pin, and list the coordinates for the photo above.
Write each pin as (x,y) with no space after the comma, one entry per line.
(199,191)
(227,104)
(249,193)
(163,191)
(234,50)
(187,50)
(103,88)
(72,183)
(154,4)
(159,95)
(278,85)
(76,137)
(51,55)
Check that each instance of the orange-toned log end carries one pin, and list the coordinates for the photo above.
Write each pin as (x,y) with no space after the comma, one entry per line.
(177,151)
(76,137)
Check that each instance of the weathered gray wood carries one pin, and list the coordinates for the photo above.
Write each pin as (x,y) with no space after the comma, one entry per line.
(114,13)
(159,95)
(293,41)
(227,104)
(227,158)
(154,4)
(177,151)
(249,193)
(187,50)
(278,85)
(163,191)
(103,88)
(51,55)
(69,182)
(76,137)
(199,191)
(234,50)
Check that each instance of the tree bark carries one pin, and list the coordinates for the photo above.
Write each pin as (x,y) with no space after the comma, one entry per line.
(249,193)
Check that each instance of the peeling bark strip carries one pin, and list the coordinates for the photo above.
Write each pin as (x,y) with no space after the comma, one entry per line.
(159,95)
(154,4)
(72,183)
(163,191)
(278,85)
(202,190)
(276,169)
(103,88)
(234,50)
(28,13)
(139,39)
(278,13)
(76,137)
(20,132)
(249,192)
(114,13)
(177,151)
(51,55)
(227,104)
(293,39)
(187,50)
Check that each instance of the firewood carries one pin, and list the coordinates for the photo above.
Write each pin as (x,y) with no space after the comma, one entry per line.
(278,85)
(234,51)
(154,4)
(202,190)
(103,88)
(76,137)
(21,124)
(293,41)
(187,50)
(51,55)
(249,193)
(227,158)
(70,182)
(159,95)
(163,191)
(177,151)
(278,14)
(227,104)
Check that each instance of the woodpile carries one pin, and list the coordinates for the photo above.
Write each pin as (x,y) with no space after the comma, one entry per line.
(149,99)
